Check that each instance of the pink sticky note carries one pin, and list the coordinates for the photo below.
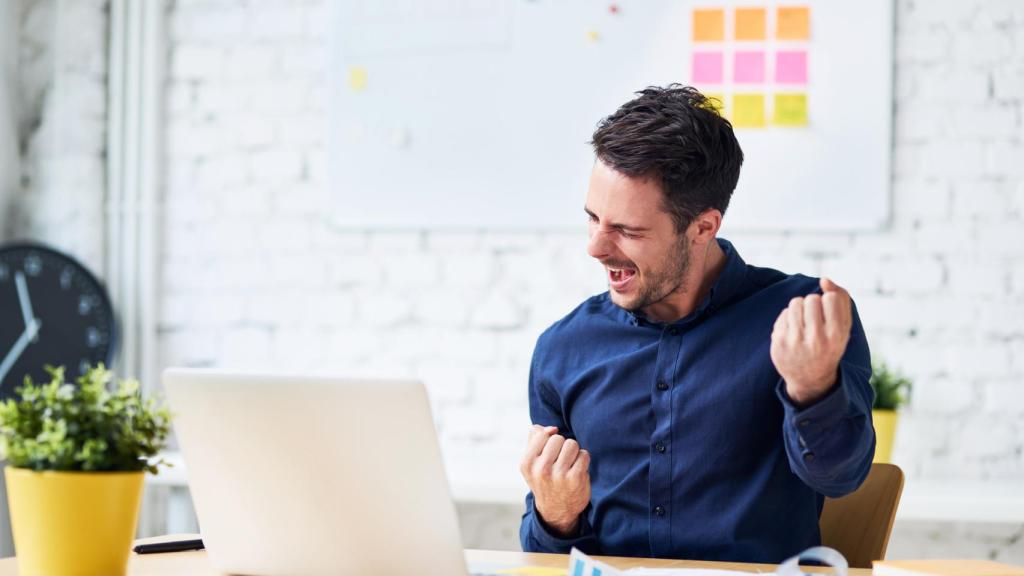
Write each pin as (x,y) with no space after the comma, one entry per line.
(791,67)
(707,67)
(748,67)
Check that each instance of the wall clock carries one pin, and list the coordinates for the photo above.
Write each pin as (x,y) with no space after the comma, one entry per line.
(52,311)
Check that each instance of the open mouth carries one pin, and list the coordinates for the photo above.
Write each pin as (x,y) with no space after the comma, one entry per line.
(618,278)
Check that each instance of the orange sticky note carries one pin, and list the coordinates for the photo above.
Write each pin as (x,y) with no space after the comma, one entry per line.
(790,110)
(748,110)
(793,23)
(750,23)
(709,25)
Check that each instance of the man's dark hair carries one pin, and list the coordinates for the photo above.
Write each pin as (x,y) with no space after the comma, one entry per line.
(674,134)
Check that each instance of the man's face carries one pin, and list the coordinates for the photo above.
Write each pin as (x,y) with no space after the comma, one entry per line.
(635,239)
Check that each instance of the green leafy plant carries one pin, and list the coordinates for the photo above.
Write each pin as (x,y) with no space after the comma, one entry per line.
(891,388)
(96,426)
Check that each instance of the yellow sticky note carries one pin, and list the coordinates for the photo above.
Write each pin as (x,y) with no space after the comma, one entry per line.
(717,101)
(793,23)
(750,23)
(709,25)
(534,571)
(790,110)
(748,110)
(357,78)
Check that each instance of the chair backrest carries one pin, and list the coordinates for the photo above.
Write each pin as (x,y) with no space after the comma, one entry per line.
(858,524)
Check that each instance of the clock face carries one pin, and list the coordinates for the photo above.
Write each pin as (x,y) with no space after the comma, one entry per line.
(52,311)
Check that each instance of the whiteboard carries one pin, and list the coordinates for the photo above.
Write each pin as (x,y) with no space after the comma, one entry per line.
(477,113)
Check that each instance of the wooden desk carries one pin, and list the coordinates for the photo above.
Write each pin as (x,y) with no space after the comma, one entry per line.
(197,564)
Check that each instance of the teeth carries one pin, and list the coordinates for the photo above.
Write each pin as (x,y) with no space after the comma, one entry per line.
(620,274)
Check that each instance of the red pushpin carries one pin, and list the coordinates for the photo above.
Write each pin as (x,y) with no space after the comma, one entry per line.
(614,8)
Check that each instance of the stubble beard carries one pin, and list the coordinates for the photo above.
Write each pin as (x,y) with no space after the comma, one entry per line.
(661,284)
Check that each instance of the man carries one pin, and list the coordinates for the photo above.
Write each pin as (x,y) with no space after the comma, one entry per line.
(702,408)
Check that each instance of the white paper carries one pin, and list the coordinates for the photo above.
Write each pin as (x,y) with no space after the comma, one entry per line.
(582,565)
(688,572)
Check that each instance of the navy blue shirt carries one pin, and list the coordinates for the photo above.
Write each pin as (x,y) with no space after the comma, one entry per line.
(696,450)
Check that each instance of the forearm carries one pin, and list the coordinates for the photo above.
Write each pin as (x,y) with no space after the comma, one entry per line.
(536,536)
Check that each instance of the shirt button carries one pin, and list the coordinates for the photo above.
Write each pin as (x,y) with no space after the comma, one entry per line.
(809,457)
(659,511)
(660,448)
(662,385)
(805,423)
(673,331)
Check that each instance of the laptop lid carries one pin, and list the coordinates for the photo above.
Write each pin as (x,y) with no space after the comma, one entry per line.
(315,475)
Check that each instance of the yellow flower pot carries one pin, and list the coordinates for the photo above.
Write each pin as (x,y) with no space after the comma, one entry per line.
(73,523)
(885,433)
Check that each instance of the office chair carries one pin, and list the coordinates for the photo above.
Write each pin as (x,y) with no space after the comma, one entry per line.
(859,524)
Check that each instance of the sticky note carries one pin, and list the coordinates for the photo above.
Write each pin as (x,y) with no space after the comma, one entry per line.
(748,67)
(709,25)
(717,101)
(790,110)
(748,110)
(750,24)
(707,67)
(791,67)
(533,571)
(357,78)
(593,35)
(793,23)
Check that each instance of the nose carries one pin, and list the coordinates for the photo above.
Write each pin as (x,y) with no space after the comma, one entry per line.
(598,245)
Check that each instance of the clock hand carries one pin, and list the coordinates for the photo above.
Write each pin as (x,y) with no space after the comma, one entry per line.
(26,304)
(19,346)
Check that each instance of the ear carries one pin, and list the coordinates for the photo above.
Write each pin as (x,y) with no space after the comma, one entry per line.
(705,226)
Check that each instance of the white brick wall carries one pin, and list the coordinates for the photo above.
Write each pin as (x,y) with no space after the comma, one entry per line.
(10,170)
(254,274)
(62,109)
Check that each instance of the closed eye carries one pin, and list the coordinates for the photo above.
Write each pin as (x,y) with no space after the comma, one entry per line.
(626,231)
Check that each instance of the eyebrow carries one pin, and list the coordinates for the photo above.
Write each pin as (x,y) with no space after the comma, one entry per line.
(617,225)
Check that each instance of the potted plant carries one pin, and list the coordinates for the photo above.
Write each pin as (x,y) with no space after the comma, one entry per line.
(891,391)
(76,459)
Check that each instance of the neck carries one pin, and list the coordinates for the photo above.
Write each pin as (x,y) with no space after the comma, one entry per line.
(705,267)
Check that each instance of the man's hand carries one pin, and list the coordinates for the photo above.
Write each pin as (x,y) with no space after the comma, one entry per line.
(556,471)
(809,339)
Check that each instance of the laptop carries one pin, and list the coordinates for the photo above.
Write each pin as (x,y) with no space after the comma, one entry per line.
(315,475)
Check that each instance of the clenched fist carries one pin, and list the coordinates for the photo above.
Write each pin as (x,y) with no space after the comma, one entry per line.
(556,471)
(809,339)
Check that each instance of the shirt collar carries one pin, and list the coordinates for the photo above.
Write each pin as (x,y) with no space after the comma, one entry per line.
(724,287)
